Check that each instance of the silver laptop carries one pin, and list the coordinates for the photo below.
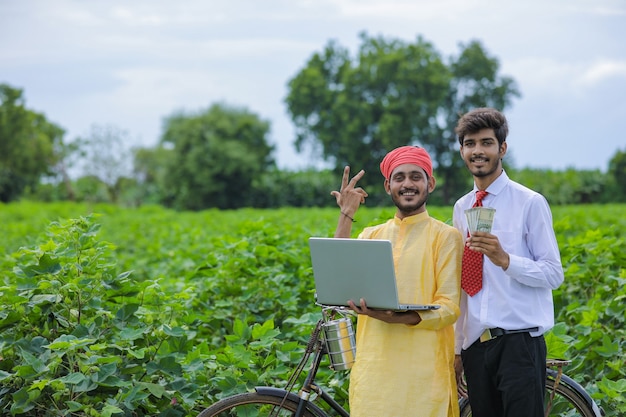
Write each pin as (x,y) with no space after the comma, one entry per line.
(351,269)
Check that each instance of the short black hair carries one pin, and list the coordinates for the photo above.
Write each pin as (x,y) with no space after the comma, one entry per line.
(483,118)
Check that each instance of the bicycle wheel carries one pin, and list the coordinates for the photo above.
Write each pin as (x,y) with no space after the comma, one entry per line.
(253,404)
(568,400)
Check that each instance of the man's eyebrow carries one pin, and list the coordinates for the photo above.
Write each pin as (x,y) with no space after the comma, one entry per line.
(479,139)
(415,171)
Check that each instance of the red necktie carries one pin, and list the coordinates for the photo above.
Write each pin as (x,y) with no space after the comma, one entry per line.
(472,269)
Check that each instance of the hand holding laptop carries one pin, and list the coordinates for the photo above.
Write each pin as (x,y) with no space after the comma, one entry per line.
(409,317)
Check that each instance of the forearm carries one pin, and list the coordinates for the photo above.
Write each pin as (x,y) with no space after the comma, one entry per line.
(542,273)
(410,318)
(344,225)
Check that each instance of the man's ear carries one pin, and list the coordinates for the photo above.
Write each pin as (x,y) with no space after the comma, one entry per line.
(503,148)
(431,184)
(387,186)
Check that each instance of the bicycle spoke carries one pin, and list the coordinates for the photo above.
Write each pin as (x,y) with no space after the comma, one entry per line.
(255,410)
(257,405)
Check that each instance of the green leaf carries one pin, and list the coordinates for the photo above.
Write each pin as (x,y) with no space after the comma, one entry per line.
(46,265)
(609,348)
(108,410)
(24,400)
(130,333)
(558,341)
(46,299)
(40,385)
(9,319)
(616,390)
(69,342)
(127,312)
(31,367)
(74,378)
(258,331)
(166,365)
(106,370)
(86,385)
(240,329)
(74,406)
(155,389)
(174,331)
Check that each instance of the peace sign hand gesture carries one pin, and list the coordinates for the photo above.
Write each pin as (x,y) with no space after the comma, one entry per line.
(349,197)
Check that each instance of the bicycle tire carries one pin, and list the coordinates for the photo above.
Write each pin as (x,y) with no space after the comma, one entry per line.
(570,392)
(568,400)
(253,404)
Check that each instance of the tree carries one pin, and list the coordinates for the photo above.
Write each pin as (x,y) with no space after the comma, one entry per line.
(28,144)
(394,93)
(216,155)
(307,188)
(150,172)
(104,155)
(569,186)
(475,83)
(617,169)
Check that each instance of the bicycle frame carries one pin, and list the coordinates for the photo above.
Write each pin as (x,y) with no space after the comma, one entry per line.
(316,346)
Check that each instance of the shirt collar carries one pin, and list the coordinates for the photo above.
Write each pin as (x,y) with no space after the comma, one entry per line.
(498,185)
(416,218)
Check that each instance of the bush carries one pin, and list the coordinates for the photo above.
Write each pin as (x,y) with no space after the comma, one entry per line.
(77,337)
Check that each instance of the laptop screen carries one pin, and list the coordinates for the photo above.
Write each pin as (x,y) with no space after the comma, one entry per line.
(350,269)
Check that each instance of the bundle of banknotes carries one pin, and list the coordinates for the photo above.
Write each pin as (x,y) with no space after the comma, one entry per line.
(480,219)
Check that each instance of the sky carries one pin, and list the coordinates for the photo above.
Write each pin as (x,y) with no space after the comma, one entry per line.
(130,64)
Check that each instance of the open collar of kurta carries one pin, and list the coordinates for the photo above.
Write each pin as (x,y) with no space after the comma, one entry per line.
(416,218)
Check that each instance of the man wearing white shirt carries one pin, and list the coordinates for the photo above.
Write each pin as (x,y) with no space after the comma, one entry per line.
(499,335)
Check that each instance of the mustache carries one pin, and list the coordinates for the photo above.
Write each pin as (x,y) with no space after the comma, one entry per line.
(473,158)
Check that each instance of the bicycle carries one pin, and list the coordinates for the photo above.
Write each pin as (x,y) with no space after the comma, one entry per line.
(564,396)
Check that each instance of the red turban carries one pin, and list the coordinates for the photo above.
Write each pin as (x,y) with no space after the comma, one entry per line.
(406,155)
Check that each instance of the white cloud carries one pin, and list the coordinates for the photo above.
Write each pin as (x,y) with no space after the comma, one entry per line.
(545,74)
(403,9)
(127,16)
(131,63)
(618,8)
(601,71)
(562,79)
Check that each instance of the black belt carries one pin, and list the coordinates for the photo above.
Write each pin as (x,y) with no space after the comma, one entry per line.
(497,332)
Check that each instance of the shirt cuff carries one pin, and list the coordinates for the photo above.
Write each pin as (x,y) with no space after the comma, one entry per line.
(516,266)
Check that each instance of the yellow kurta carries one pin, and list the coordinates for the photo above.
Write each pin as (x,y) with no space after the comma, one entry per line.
(401,370)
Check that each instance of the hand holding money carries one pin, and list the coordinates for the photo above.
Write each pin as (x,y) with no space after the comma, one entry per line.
(480,219)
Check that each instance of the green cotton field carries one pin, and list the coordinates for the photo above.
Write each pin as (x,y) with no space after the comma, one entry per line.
(109,311)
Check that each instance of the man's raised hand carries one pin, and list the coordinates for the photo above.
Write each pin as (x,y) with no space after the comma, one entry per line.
(349,196)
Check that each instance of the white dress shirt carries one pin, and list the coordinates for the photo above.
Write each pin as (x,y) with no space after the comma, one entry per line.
(521,296)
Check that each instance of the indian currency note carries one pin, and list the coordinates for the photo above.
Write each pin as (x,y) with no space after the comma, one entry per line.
(480,219)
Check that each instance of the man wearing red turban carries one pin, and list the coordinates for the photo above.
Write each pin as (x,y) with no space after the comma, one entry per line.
(412,352)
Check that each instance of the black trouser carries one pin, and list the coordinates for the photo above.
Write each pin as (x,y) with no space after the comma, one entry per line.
(506,376)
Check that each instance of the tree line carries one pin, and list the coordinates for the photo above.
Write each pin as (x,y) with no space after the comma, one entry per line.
(346,110)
